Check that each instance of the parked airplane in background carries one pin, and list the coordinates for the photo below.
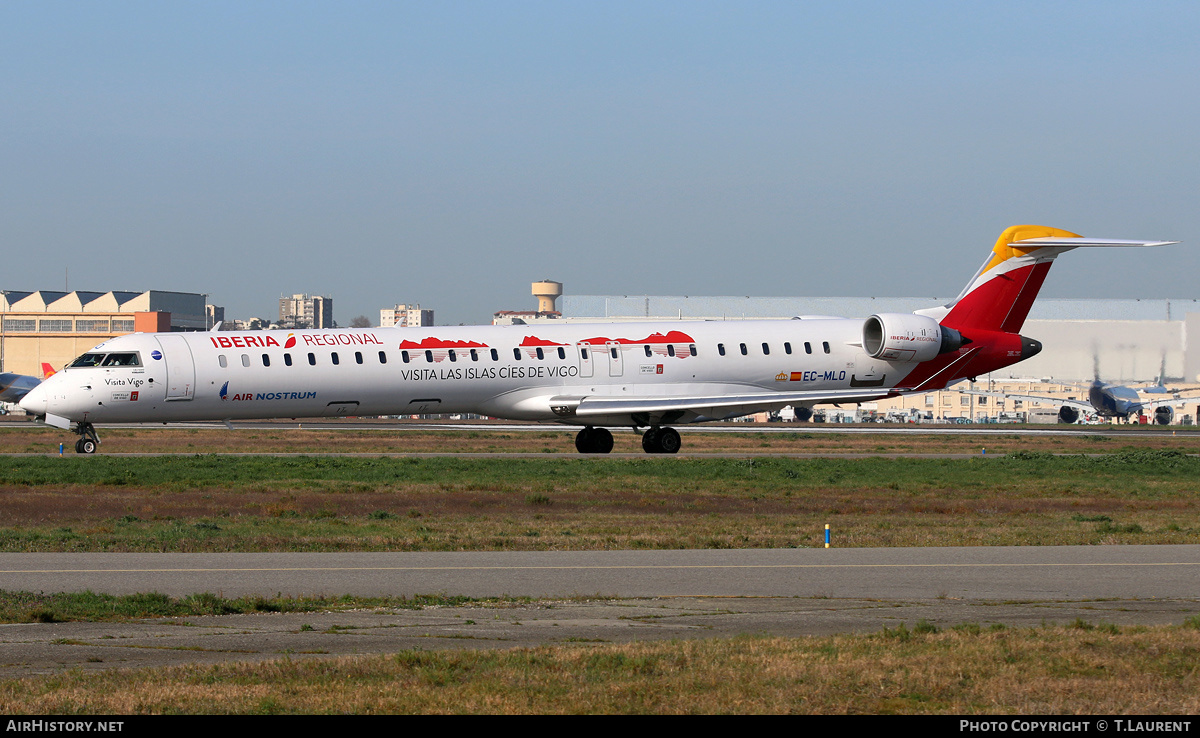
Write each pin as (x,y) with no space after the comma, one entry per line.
(1108,401)
(643,375)
(13,387)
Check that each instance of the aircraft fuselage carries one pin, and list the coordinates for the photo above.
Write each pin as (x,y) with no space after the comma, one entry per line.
(502,371)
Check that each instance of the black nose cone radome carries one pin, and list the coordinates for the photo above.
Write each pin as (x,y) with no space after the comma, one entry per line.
(1030,347)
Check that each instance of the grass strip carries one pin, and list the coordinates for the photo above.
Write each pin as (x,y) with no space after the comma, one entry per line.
(61,607)
(311,503)
(325,436)
(1082,668)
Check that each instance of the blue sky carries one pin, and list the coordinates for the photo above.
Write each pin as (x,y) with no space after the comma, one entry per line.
(450,153)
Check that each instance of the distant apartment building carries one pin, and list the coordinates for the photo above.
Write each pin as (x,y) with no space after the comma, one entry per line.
(306,311)
(252,324)
(405,316)
(525,317)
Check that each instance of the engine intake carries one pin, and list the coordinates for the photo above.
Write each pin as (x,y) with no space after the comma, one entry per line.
(1163,415)
(908,338)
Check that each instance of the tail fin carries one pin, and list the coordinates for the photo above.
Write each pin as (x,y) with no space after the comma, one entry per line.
(1000,295)
(47,370)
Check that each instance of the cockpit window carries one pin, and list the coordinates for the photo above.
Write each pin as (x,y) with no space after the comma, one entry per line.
(89,360)
(123,359)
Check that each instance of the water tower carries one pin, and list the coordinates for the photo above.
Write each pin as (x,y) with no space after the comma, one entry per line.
(547,291)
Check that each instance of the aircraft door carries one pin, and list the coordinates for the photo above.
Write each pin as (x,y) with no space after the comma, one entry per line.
(181,368)
(616,359)
(587,358)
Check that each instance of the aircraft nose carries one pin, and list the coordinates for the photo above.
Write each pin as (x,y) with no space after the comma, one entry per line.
(35,402)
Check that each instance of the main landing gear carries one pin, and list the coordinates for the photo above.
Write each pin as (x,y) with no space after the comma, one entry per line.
(594,441)
(657,440)
(88,440)
(661,441)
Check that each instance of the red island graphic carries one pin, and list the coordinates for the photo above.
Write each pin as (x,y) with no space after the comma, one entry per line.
(535,341)
(674,343)
(531,344)
(439,348)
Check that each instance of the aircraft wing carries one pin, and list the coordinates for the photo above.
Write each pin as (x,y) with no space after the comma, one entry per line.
(1057,401)
(669,409)
(1174,400)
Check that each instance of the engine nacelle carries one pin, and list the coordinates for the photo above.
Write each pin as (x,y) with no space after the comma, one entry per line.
(1067,414)
(907,337)
(1163,415)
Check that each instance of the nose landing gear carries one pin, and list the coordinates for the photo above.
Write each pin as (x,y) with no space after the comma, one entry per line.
(88,440)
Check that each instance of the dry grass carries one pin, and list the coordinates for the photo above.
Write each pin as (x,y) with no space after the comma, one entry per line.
(1072,670)
(324,436)
(254,503)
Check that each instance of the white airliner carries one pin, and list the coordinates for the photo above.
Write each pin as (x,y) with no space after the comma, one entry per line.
(644,375)
(1110,401)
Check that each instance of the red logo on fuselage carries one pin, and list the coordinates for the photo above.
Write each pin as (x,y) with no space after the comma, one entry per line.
(341,339)
(243,341)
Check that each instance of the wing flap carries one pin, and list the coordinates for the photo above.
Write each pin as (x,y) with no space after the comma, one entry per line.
(591,406)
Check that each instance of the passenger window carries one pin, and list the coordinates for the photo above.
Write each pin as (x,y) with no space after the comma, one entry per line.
(562,352)
(517,354)
(358,357)
(312,359)
(266,360)
(540,353)
(453,356)
(333,356)
(787,347)
(766,349)
(613,351)
(807,347)
(647,349)
(692,348)
(495,355)
(221,361)
(428,356)
(670,350)
(246,360)
(287,359)
(744,351)
(404,356)
(583,353)
(474,355)
(721,349)
(825,345)
(382,357)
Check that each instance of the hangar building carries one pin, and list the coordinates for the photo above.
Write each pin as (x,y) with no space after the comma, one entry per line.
(55,327)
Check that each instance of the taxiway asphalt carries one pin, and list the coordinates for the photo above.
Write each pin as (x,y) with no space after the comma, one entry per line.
(589,597)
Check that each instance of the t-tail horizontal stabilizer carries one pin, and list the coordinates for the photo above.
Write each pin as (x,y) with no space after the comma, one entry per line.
(1001,293)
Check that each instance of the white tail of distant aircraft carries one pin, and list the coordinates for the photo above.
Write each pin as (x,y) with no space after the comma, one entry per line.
(644,375)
